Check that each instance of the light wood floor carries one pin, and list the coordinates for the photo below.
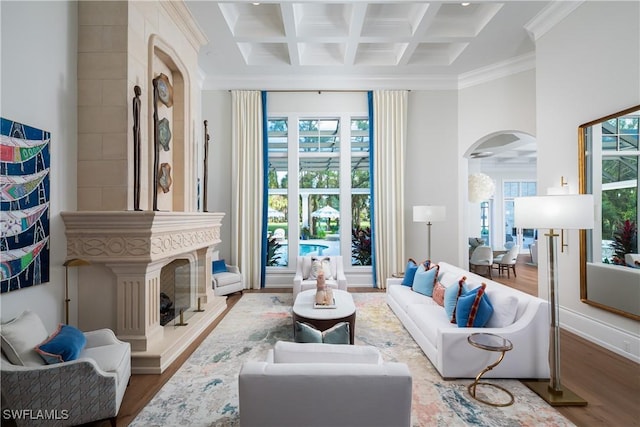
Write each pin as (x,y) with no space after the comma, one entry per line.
(610,383)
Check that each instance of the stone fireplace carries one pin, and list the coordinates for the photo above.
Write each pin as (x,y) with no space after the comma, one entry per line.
(130,252)
(123,46)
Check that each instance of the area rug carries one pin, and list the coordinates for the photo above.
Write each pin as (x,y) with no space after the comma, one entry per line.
(204,391)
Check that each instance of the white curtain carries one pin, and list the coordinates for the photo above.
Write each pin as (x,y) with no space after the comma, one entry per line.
(389,135)
(247,184)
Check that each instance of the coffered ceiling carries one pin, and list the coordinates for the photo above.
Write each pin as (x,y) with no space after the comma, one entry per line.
(360,44)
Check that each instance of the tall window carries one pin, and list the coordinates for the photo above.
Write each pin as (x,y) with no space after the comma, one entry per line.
(326,210)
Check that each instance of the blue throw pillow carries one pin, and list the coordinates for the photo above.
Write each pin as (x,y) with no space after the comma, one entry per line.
(410,272)
(451,296)
(63,345)
(337,334)
(219,266)
(474,308)
(424,281)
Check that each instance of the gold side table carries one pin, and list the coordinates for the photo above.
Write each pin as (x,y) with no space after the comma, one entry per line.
(490,342)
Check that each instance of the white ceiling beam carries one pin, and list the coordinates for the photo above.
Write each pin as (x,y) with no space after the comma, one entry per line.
(428,16)
(358,16)
(289,22)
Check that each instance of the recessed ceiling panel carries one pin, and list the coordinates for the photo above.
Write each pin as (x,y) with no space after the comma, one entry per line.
(322,19)
(437,53)
(393,20)
(321,53)
(456,21)
(265,53)
(379,53)
(247,20)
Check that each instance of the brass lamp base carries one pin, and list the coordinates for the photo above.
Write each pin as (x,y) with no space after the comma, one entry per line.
(565,398)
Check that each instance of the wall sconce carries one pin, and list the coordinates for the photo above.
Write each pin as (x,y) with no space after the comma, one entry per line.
(73,262)
(429,214)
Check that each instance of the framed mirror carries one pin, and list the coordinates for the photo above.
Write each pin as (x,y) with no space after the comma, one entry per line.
(609,168)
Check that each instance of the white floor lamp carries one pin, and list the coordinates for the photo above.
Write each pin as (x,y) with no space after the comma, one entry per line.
(568,211)
(429,214)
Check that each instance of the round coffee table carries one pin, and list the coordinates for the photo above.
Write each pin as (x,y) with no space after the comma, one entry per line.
(324,318)
(490,342)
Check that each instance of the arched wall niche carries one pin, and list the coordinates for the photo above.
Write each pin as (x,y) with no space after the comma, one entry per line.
(164,59)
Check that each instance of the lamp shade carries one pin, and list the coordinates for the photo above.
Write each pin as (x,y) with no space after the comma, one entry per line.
(565,211)
(429,213)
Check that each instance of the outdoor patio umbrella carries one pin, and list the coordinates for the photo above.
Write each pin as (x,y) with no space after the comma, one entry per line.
(274,213)
(326,212)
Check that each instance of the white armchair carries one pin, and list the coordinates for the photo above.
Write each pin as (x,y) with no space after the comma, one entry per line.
(86,389)
(304,280)
(227,280)
(316,385)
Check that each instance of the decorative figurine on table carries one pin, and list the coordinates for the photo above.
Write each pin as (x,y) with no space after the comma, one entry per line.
(324,294)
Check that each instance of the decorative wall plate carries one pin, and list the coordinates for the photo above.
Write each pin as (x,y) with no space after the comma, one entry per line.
(165,90)
(164,134)
(164,177)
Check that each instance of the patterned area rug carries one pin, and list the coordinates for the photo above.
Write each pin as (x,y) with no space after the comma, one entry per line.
(204,391)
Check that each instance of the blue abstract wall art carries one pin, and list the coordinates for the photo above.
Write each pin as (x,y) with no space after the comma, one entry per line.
(25,205)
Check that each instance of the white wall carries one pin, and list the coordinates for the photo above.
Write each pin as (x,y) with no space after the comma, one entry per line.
(431,174)
(216,108)
(38,88)
(506,104)
(586,68)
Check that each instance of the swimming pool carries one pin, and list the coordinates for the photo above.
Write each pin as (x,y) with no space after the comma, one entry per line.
(303,249)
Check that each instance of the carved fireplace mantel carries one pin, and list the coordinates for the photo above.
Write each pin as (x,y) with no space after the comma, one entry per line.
(134,246)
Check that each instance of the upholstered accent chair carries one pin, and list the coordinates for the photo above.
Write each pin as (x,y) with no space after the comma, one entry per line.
(305,278)
(226,279)
(89,388)
(481,260)
(507,261)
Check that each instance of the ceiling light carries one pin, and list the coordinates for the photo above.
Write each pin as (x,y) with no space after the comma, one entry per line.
(256,3)
(465,3)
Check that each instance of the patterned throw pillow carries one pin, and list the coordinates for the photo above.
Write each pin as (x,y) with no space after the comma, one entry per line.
(337,334)
(438,293)
(451,296)
(317,264)
(474,308)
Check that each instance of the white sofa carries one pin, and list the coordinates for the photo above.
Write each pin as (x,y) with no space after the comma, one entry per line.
(446,345)
(302,280)
(324,385)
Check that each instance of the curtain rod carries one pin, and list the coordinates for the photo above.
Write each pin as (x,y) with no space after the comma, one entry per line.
(319,91)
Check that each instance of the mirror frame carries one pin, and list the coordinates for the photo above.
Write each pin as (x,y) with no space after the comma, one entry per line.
(582,170)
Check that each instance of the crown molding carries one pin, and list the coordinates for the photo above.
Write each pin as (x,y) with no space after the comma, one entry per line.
(183,18)
(350,82)
(549,17)
(498,70)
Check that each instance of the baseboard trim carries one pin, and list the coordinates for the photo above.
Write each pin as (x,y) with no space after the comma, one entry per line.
(602,334)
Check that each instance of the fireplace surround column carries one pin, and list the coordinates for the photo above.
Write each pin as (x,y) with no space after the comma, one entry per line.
(138,304)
